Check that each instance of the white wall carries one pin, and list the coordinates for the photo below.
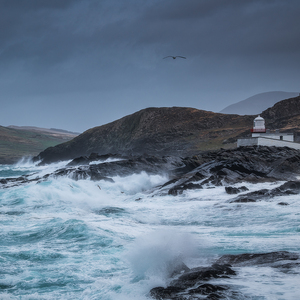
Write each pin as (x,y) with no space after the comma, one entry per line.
(276,136)
(263,141)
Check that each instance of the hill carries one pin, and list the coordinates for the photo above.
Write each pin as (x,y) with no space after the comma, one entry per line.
(257,103)
(159,131)
(177,131)
(17,142)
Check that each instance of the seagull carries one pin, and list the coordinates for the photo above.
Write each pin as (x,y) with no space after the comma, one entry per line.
(174,57)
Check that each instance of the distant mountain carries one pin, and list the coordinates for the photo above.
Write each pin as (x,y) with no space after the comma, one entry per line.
(257,103)
(17,142)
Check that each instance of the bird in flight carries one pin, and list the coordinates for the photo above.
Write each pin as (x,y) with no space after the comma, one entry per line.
(174,57)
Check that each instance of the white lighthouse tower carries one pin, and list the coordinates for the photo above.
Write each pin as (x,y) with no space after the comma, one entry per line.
(258,126)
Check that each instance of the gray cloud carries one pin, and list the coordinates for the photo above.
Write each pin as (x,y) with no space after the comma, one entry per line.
(108,54)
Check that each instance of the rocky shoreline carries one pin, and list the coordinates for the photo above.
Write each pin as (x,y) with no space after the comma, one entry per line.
(255,164)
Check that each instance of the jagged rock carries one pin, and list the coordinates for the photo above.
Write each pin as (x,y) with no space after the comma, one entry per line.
(233,190)
(243,200)
(245,164)
(249,259)
(161,293)
(196,275)
(178,189)
(288,188)
(106,170)
(194,284)
(251,197)
(210,168)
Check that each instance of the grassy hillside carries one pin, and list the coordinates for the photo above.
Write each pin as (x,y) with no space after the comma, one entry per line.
(156,131)
(18,143)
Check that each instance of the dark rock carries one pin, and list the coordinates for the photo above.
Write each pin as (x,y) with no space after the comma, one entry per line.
(249,259)
(175,293)
(210,168)
(194,284)
(178,189)
(251,197)
(288,188)
(160,293)
(216,180)
(206,289)
(243,200)
(244,164)
(232,190)
(194,276)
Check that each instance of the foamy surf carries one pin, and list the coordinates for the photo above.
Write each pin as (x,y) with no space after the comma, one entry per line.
(66,239)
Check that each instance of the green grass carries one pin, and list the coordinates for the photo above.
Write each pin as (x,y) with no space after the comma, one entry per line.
(15,144)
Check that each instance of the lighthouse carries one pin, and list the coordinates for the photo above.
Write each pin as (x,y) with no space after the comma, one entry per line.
(263,137)
(258,125)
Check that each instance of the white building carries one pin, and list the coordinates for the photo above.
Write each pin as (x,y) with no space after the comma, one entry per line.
(264,137)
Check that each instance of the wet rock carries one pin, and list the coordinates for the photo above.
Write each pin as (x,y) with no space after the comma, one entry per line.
(249,259)
(233,190)
(210,168)
(170,292)
(194,284)
(178,189)
(288,188)
(251,197)
(194,276)
(243,200)
(244,164)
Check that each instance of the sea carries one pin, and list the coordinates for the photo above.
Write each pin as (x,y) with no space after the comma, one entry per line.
(66,239)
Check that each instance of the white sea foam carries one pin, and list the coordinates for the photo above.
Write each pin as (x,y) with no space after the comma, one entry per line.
(160,253)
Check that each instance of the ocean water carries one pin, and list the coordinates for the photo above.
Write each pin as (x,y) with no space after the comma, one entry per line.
(65,239)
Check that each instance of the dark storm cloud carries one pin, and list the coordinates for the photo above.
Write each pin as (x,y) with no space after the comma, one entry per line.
(52,31)
(229,27)
(114,49)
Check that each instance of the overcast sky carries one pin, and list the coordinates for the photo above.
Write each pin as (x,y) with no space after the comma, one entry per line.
(76,64)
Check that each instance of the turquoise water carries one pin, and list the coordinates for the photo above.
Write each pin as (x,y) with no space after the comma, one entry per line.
(65,239)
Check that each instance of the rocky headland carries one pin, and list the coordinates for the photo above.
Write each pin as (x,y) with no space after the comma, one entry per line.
(175,131)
